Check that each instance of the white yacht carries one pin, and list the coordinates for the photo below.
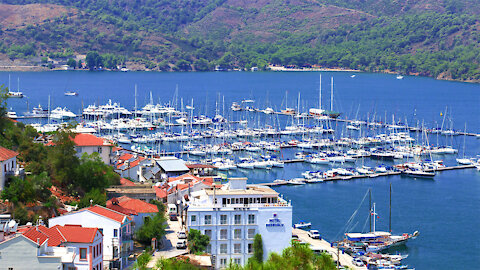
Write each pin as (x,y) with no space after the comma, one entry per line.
(62,113)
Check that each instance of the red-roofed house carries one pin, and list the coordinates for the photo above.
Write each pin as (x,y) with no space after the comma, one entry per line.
(8,163)
(59,247)
(88,143)
(116,228)
(183,185)
(142,209)
(127,183)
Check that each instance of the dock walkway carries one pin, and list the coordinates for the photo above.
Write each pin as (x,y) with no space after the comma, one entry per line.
(337,178)
(345,259)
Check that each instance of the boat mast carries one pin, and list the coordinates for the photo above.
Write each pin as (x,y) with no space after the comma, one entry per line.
(331,97)
(135,113)
(374,214)
(320,93)
(370,207)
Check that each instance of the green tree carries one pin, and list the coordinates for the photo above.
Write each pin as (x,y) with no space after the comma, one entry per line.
(93,60)
(197,242)
(62,159)
(93,173)
(201,65)
(258,248)
(142,261)
(96,196)
(152,228)
(72,63)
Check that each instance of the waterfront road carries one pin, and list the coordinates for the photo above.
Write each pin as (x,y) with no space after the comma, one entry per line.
(169,242)
(345,259)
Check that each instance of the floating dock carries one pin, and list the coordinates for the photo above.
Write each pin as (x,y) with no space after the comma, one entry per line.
(374,175)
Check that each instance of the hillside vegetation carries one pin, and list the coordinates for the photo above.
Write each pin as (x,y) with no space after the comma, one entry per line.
(438,38)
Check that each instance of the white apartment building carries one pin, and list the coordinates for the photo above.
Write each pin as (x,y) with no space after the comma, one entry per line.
(232,215)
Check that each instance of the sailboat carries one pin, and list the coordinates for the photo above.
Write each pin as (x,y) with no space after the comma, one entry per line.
(374,241)
(464,160)
(14,94)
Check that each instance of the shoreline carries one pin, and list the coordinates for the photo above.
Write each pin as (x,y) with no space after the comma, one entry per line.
(270,68)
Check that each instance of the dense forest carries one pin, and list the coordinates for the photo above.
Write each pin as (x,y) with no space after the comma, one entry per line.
(437,38)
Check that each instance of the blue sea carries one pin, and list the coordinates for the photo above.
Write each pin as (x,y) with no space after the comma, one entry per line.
(446,210)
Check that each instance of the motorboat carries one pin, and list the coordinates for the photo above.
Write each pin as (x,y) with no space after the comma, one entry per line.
(62,113)
(71,93)
(419,173)
(302,225)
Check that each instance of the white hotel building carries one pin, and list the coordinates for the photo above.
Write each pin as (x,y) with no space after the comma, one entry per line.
(233,214)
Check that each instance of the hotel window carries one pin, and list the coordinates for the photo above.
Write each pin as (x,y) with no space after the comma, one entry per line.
(237,234)
(208,249)
(223,248)
(251,219)
(238,219)
(237,248)
(223,262)
(83,253)
(250,248)
(99,150)
(251,233)
(223,234)
(208,233)
(115,232)
(193,219)
(223,219)
(208,219)
(237,261)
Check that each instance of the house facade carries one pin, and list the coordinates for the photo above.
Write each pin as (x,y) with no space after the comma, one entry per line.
(232,215)
(88,143)
(116,228)
(8,164)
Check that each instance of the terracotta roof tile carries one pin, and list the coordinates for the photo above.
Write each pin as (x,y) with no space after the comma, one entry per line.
(36,234)
(6,154)
(136,205)
(75,233)
(89,140)
(126,182)
(125,156)
(160,192)
(108,213)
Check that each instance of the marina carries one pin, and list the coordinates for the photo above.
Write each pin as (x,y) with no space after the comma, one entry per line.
(366,146)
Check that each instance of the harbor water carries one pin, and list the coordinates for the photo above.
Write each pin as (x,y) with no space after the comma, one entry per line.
(445,210)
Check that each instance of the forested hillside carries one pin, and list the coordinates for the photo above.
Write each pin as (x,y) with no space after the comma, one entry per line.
(438,38)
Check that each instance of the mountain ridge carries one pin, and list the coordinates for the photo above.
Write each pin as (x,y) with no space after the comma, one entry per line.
(428,37)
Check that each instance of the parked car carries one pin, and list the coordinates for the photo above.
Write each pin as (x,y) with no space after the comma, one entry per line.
(358,262)
(181,235)
(294,236)
(181,244)
(173,216)
(314,234)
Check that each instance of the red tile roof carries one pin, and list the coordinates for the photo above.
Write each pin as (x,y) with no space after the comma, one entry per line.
(61,234)
(126,182)
(36,234)
(136,162)
(186,176)
(75,233)
(108,213)
(161,192)
(6,154)
(89,140)
(136,205)
(125,156)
